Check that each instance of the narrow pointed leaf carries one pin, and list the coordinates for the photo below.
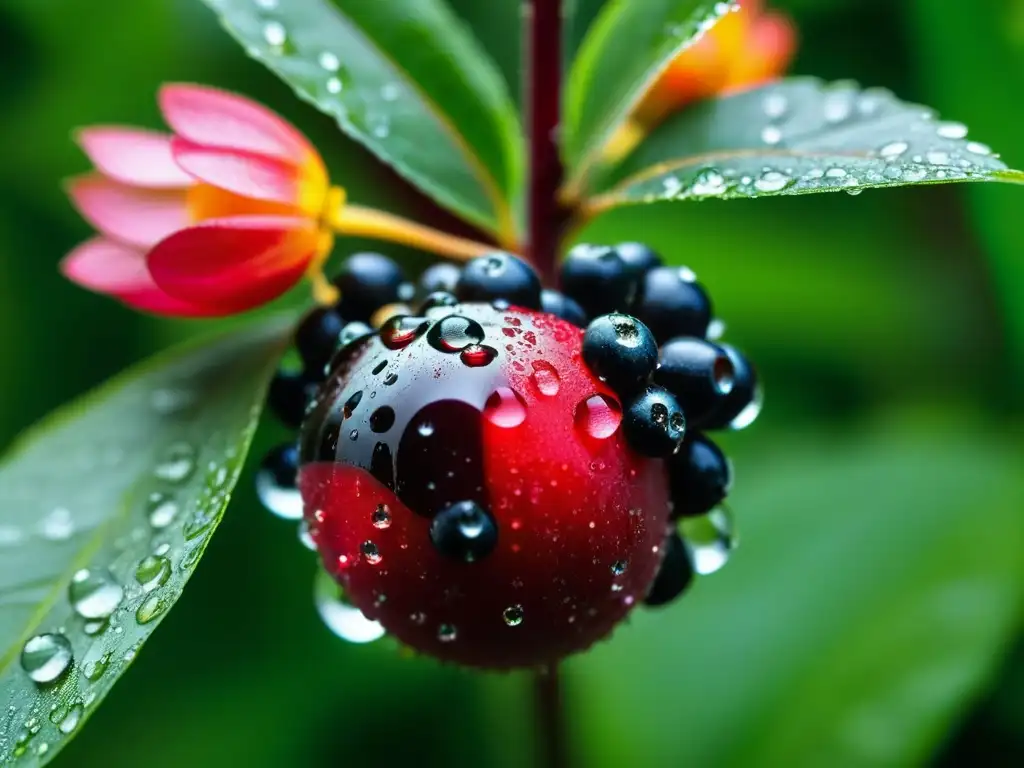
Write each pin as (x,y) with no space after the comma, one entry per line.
(105,509)
(407,80)
(796,137)
(625,49)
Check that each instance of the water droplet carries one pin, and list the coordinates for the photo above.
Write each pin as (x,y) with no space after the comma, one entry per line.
(46,657)
(545,377)
(334,85)
(598,416)
(305,538)
(454,333)
(93,669)
(513,615)
(344,620)
(619,567)
(152,607)
(835,173)
(161,510)
(771,134)
(178,463)
(446,633)
(284,501)
(152,572)
(937,157)
(775,106)
(94,594)
(772,181)
(951,131)
(329,61)
(352,403)
(505,408)
(425,428)
(708,183)
(382,419)
(389,91)
(400,331)
(370,552)
(382,516)
(478,355)
(57,525)
(977,148)
(893,149)
(275,34)
(9,535)
(710,539)
(69,722)
(838,106)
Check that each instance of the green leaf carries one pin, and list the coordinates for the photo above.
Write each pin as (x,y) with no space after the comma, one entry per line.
(409,82)
(796,137)
(623,52)
(105,509)
(874,591)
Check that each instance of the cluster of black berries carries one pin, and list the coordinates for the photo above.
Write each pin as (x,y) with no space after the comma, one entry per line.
(648,340)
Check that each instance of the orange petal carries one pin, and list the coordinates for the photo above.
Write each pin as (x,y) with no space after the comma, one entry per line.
(770,47)
(133,156)
(235,263)
(206,201)
(133,215)
(217,118)
(250,175)
(117,270)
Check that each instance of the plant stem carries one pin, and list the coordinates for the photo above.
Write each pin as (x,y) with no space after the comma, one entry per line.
(550,715)
(543,98)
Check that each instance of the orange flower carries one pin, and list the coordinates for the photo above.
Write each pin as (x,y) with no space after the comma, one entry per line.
(223,216)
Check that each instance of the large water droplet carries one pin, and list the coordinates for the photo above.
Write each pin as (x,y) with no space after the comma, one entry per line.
(94,594)
(893,149)
(400,331)
(344,620)
(152,572)
(710,539)
(284,501)
(772,181)
(505,408)
(771,135)
(152,607)
(46,657)
(598,416)
(513,615)
(275,34)
(951,131)
(454,333)
(545,377)
(329,61)
(382,517)
(370,552)
(178,463)
(708,183)
(72,717)
(478,355)
(161,510)
(775,106)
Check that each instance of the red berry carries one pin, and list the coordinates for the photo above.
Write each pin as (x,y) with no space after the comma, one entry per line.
(551,527)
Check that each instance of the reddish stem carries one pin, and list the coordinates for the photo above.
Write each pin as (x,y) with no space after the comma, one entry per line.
(543,98)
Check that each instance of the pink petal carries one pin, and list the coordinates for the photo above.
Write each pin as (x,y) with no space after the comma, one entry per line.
(107,267)
(219,119)
(236,263)
(133,156)
(136,216)
(243,173)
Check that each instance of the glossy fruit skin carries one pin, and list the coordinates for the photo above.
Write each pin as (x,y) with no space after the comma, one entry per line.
(639,258)
(744,390)
(558,304)
(442,276)
(282,463)
(368,281)
(700,477)
(499,276)
(675,574)
(580,516)
(671,303)
(620,350)
(318,336)
(699,374)
(288,395)
(598,279)
(654,423)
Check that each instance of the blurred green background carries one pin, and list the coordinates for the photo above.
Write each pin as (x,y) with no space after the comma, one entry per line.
(871,616)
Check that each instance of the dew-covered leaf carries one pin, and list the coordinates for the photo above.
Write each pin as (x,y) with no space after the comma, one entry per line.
(407,80)
(624,50)
(874,591)
(796,137)
(105,509)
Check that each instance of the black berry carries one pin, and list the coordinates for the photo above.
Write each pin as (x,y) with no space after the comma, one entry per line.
(698,373)
(436,300)
(560,305)
(317,338)
(673,304)
(741,405)
(674,575)
(653,423)
(599,279)
(367,282)
(638,257)
(699,475)
(621,350)
(499,277)
(289,394)
(276,481)
(439,277)
(464,531)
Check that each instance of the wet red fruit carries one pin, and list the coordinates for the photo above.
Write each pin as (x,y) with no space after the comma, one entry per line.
(478,420)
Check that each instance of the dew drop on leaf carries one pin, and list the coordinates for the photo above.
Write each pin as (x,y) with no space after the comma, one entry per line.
(46,657)
(94,593)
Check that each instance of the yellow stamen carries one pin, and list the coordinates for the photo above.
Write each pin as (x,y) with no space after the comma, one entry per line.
(324,293)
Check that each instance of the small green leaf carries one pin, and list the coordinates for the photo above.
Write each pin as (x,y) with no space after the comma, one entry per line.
(874,591)
(105,509)
(409,82)
(796,137)
(623,52)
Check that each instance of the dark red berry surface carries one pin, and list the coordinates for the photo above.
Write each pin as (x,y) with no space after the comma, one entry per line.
(475,404)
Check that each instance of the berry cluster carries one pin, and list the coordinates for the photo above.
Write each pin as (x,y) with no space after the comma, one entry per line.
(478,453)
